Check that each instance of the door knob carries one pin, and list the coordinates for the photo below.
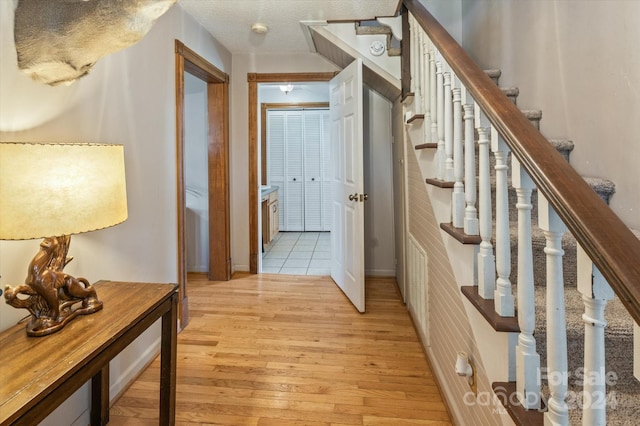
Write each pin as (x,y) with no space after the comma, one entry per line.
(364,197)
(353,197)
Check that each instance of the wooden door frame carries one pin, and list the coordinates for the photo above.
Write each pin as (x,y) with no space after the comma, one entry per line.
(254,79)
(186,60)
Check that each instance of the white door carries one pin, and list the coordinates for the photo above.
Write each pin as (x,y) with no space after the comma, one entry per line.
(312,170)
(347,232)
(294,172)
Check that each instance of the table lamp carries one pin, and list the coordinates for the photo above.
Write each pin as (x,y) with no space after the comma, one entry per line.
(50,191)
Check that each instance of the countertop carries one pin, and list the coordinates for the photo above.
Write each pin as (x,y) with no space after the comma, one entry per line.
(265,190)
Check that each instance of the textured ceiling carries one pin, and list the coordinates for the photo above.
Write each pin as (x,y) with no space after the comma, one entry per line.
(229,21)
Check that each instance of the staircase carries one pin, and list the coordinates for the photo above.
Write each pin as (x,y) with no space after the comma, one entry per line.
(533,280)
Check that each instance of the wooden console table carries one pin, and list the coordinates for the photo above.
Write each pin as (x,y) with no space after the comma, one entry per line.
(39,373)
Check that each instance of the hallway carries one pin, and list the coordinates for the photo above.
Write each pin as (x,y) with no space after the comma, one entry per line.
(287,350)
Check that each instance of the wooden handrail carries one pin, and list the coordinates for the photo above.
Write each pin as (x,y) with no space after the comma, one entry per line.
(610,244)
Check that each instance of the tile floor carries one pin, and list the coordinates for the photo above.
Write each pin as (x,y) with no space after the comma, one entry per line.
(298,253)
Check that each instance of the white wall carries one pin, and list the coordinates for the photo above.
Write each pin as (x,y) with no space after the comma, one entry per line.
(127,98)
(449,14)
(379,240)
(578,62)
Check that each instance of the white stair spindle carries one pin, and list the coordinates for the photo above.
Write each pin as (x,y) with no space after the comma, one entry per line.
(557,366)
(486,260)
(470,212)
(448,127)
(433,96)
(457,197)
(504,301)
(440,120)
(595,293)
(426,96)
(527,359)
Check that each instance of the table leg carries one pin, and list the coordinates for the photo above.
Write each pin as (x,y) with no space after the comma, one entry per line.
(100,397)
(168,355)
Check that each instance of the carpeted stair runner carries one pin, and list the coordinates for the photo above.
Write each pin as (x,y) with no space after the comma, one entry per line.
(623,389)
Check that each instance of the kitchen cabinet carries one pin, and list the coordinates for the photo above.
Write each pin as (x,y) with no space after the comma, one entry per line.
(270,214)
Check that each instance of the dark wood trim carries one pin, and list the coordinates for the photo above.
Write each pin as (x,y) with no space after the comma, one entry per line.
(458,234)
(291,77)
(610,244)
(218,172)
(487,308)
(440,183)
(427,145)
(253,79)
(183,307)
(263,128)
(253,175)
(415,117)
(407,96)
(200,67)
(405,56)
(218,169)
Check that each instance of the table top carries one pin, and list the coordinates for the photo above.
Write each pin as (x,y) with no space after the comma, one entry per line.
(31,367)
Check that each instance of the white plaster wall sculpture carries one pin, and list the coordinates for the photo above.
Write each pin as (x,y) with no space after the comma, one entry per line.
(58,41)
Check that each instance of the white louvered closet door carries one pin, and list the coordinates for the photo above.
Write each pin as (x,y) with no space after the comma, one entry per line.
(276,156)
(312,170)
(299,163)
(294,172)
(326,172)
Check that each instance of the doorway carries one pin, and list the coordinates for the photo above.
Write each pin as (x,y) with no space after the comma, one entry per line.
(295,178)
(255,246)
(217,173)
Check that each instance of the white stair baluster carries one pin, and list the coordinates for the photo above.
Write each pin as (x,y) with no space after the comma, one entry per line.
(527,359)
(457,197)
(433,96)
(595,293)
(557,367)
(426,100)
(486,260)
(504,301)
(448,127)
(470,211)
(440,120)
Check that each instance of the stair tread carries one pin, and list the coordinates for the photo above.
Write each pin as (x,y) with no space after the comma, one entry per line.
(426,145)
(487,309)
(505,392)
(440,183)
(600,185)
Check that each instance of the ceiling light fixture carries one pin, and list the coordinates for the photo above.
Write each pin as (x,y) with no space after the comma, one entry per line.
(259,28)
(286,88)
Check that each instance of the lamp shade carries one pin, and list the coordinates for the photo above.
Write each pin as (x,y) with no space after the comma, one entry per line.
(55,189)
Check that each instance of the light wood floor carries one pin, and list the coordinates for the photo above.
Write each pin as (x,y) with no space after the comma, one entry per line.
(292,350)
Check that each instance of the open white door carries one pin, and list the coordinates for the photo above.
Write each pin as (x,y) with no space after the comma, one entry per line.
(347,232)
